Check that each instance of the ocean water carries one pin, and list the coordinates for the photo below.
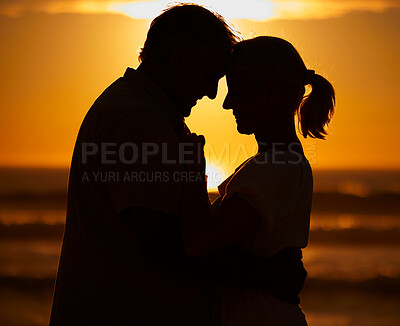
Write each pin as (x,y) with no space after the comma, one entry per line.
(353,257)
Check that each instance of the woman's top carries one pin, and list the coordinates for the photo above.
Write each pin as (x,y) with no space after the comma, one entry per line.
(279,186)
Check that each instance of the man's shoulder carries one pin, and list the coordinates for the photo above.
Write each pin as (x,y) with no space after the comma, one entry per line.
(120,103)
(122,92)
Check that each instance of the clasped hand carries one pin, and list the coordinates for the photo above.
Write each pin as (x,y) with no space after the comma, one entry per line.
(192,150)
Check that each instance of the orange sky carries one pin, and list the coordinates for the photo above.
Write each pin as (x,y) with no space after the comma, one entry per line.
(58,57)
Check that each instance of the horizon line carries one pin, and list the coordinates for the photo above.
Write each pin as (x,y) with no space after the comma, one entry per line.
(65,167)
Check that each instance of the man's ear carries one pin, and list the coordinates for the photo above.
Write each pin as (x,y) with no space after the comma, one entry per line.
(177,52)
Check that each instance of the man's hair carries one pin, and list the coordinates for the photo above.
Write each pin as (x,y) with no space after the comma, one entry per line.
(190,23)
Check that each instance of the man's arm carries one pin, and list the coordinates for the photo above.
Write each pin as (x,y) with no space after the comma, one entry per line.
(160,243)
(283,275)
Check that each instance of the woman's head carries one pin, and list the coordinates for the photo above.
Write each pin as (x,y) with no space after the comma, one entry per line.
(266,80)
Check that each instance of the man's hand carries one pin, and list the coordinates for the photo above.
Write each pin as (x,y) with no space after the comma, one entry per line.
(194,158)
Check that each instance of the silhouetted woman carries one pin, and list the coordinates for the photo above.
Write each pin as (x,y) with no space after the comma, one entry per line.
(265,205)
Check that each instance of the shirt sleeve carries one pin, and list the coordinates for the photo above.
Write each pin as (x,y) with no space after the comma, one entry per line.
(146,163)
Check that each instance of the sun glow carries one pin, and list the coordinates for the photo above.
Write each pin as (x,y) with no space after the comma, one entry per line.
(255,10)
(259,10)
(230,9)
(214,177)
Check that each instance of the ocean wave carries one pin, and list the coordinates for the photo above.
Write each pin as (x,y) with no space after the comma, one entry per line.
(344,236)
(28,284)
(31,231)
(336,202)
(379,203)
(358,236)
(384,285)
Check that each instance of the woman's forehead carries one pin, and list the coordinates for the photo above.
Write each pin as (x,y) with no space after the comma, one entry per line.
(249,72)
(238,73)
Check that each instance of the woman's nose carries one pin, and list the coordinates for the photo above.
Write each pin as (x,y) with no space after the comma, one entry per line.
(212,90)
(227,103)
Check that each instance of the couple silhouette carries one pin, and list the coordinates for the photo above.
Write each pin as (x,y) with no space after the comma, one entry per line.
(143,245)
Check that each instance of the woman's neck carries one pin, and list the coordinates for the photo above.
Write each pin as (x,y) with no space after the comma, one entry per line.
(280,133)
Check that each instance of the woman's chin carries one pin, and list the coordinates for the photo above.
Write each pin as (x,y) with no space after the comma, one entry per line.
(243,130)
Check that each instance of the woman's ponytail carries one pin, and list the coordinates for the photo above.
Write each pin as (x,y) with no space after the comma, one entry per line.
(316,109)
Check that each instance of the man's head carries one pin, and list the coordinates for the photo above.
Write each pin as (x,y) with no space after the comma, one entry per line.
(190,44)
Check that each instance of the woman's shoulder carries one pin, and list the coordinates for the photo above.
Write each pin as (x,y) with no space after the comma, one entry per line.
(269,165)
(268,171)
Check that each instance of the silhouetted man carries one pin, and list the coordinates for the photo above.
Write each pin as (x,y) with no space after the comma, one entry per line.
(122,260)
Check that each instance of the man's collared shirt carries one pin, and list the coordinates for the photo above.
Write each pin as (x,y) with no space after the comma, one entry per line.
(126,155)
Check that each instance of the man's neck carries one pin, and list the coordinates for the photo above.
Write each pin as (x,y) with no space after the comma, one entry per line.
(155,74)
(161,76)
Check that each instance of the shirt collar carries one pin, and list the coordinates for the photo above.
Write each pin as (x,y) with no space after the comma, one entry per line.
(162,102)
